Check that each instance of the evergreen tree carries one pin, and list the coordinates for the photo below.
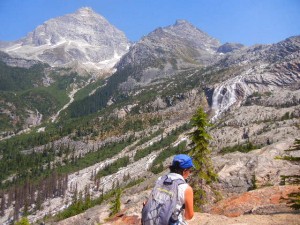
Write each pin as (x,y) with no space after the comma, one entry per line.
(115,205)
(75,195)
(38,203)
(87,196)
(201,152)
(2,205)
(23,221)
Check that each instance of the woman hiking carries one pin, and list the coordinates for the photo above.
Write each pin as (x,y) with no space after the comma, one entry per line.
(171,200)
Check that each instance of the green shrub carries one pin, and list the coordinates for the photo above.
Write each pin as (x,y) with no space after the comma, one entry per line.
(114,167)
(239,148)
(23,221)
(163,143)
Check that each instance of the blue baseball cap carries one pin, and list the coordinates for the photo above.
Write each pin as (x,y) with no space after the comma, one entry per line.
(185,161)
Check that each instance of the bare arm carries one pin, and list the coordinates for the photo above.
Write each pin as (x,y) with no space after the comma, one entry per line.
(189,203)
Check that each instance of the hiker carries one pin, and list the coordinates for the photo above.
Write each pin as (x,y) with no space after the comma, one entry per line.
(171,200)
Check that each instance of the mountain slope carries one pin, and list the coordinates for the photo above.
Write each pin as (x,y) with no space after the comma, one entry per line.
(31,92)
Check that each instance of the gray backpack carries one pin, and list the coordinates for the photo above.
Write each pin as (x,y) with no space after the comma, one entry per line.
(162,202)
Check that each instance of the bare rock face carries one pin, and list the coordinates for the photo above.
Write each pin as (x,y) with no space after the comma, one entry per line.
(239,172)
(83,37)
(17,62)
(262,201)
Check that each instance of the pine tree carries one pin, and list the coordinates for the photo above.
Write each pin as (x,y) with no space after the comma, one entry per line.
(75,195)
(38,203)
(87,196)
(200,153)
(115,205)
(2,205)
(17,204)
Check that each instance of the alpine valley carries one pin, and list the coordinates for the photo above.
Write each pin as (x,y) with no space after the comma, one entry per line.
(83,112)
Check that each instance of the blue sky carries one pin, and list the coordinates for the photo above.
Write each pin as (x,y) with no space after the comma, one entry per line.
(245,21)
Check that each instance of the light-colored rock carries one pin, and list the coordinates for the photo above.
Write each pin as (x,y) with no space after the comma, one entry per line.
(239,172)
(83,38)
(267,200)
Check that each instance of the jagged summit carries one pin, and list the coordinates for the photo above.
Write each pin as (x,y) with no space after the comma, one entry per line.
(84,37)
(85,10)
(84,25)
(187,30)
(170,48)
(180,22)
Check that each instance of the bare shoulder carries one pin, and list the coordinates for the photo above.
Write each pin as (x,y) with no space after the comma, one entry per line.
(189,192)
(189,189)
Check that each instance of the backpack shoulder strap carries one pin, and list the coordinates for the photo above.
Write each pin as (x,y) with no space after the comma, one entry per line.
(178,181)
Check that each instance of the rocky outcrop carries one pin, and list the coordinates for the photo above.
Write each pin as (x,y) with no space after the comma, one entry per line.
(178,102)
(229,47)
(239,172)
(269,200)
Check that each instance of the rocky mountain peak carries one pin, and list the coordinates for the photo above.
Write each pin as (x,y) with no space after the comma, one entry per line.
(181,22)
(85,11)
(186,30)
(84,25)
(83,37)
(167,49)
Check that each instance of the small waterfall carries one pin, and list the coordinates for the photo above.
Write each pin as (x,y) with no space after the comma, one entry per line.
(226,95)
